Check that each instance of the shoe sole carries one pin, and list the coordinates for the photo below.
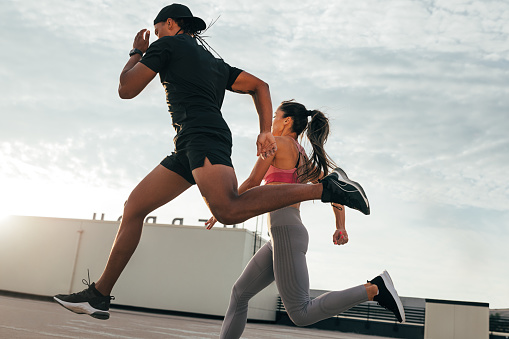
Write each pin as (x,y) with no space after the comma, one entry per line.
(341,174)
(84,308)
(390,287)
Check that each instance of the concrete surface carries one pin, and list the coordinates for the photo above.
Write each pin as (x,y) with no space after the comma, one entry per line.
(24,318)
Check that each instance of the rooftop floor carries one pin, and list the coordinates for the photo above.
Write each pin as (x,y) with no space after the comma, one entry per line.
(25,318)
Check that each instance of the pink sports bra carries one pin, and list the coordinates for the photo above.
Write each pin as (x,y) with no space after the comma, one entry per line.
(289,176)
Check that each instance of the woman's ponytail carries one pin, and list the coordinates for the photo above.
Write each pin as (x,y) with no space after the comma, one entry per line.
(317,132)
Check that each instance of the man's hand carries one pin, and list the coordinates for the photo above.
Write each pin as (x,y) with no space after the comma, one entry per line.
(340,237)
(266,145)
(135,75)
(141,40)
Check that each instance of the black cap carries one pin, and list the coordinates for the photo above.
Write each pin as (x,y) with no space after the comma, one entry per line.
(177,11)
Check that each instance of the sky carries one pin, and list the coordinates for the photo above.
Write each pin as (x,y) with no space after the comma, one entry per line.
(417,93)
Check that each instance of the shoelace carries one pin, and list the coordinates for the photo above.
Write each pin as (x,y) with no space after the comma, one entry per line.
(85,282)
(89,284)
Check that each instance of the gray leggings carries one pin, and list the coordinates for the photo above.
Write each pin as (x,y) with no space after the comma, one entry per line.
(283,259)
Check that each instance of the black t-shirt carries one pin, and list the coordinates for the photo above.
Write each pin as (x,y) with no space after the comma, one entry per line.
(195,83)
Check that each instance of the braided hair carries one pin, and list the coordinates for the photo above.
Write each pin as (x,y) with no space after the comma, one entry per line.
(189,27)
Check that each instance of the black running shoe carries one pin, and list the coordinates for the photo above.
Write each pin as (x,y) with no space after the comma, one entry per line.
(89,301)
(339,189)
(387,296)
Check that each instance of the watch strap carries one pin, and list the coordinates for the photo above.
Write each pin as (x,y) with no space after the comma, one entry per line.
(135,51)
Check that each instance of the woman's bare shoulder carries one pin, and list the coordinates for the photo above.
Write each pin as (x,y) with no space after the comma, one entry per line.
(286,152)
(284,140)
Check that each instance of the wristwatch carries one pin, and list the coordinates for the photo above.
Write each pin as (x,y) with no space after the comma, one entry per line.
(135,51)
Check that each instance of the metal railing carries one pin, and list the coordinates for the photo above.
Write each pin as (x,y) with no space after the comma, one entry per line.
(370,311)
(499,324)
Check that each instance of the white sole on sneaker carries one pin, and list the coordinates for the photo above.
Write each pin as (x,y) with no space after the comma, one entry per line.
(84,308)
(390,287)
(344,177)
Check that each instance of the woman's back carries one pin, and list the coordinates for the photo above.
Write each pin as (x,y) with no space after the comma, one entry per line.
(287,160)
(283,170)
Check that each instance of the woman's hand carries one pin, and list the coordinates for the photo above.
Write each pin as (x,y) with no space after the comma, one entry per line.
(212,221)
(340,237)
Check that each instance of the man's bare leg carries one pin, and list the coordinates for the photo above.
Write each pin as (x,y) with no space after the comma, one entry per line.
(218,186)
(158,188)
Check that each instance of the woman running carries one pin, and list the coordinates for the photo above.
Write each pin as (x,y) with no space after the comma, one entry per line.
(195,83)
(283,258)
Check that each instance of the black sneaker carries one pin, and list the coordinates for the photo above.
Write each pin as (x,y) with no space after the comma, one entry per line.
(89,301)
(339,189)
(387,296)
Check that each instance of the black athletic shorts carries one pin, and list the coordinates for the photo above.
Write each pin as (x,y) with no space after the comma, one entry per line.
(191,152)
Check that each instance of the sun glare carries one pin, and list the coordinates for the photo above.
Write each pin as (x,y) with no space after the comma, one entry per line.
(3,216)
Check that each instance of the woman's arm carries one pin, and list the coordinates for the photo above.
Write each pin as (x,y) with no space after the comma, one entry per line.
(255,178)
(340,236)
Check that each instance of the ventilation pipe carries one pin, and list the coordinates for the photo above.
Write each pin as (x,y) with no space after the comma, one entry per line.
(180,220)
(102,216)
(147,220)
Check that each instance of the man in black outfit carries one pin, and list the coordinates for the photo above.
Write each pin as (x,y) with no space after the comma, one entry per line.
(195,83)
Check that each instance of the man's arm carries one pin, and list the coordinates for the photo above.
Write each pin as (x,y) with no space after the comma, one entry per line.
(259,90)
(136,76)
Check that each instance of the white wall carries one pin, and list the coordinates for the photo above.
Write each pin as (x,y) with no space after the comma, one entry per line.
(180,268)
(456,320)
